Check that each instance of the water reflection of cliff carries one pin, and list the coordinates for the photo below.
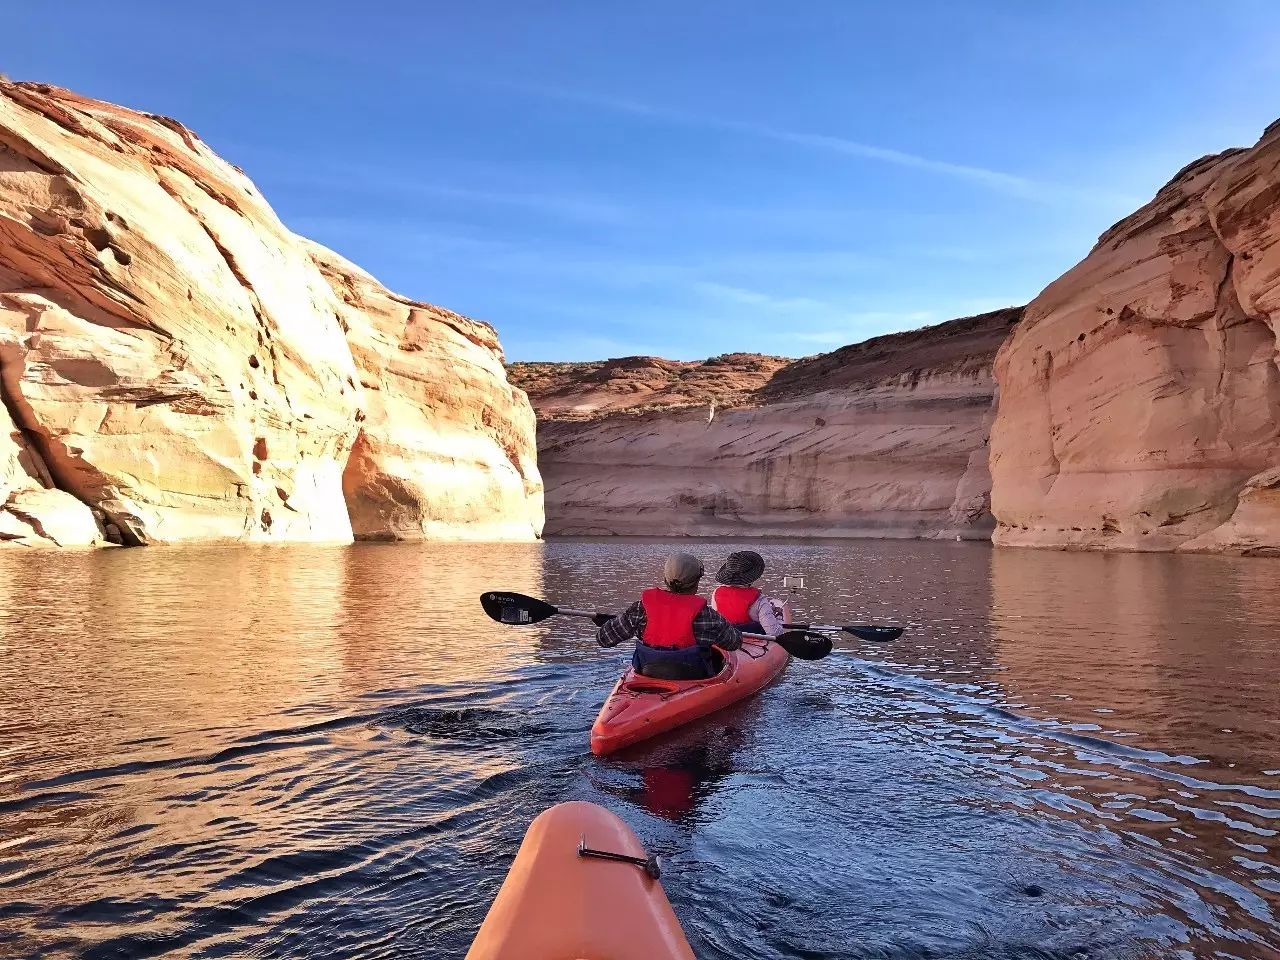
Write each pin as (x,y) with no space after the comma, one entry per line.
(189,640)
(1180,650)
(207,702)
(1160,670)
(415,609)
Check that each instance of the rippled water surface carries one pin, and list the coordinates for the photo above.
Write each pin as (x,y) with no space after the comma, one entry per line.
(332,753)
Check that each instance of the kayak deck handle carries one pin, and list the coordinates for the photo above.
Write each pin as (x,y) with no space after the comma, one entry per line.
(652,865)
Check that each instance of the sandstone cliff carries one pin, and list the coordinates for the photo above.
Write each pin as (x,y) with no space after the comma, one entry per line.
(446,445)
(175,365)
(884,438)
(1140,396)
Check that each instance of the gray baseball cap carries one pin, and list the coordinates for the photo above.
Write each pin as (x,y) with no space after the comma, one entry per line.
(682,571)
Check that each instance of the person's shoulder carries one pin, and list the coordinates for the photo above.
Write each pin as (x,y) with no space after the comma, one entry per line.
(711,613)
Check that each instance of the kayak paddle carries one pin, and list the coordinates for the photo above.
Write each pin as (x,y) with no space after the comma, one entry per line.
(863,631)
(518,610)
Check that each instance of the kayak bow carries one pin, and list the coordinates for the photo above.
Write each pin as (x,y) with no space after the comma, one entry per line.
(579,887)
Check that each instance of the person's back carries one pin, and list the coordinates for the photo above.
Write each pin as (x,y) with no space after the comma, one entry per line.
(676,631)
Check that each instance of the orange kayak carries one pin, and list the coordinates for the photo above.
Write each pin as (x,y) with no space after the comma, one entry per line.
(558,905)
(641,707)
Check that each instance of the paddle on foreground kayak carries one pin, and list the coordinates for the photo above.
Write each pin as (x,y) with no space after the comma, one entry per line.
(581,886)
(641,707)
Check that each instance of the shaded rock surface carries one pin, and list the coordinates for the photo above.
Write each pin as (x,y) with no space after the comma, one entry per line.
(1140,396)
(175,365)
(885,438)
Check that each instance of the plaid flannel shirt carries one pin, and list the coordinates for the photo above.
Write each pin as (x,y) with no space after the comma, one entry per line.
(709,629)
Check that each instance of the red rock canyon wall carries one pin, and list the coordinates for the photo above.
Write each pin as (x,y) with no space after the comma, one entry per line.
(175,365)
(1140,396)
(885,438)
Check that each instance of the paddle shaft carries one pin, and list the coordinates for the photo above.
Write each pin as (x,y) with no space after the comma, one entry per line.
(834,627)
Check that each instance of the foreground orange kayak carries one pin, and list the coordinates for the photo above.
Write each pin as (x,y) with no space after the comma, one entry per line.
(641,707)
(557,904)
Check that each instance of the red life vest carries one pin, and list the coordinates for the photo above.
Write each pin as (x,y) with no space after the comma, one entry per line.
(669,618)
(734,603)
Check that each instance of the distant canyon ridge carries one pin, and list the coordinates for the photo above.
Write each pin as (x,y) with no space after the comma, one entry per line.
(177,366)
(1133,405)
(886,438)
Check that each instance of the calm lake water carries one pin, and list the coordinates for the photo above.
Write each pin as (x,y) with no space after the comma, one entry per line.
(299,752)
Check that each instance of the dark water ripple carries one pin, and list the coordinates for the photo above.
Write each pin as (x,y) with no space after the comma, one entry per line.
(318,753)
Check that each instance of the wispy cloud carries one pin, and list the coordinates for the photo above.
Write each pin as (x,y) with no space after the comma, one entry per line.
(365,179)
(857,326)
(841,322)
(999,180)
(402,238)
(755,298)
(566,206)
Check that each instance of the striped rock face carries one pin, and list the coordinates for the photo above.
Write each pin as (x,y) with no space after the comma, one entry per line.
(1140,396)
(885,438)
(175,365)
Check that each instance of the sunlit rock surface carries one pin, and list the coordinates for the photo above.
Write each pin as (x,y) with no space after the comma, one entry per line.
(884,438)
(1140,396)
(174,365)
(445,448)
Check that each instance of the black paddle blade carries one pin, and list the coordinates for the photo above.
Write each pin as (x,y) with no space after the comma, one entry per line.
(803,645)
(515,608)
(874,633)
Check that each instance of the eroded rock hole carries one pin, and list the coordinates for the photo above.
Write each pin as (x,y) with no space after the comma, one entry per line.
(98,237)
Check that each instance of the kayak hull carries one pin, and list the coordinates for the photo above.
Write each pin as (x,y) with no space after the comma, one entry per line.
(641,707)
(556,905)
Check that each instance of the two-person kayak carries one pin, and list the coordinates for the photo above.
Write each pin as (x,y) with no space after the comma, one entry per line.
(571,894)
(690,659)
(640,707)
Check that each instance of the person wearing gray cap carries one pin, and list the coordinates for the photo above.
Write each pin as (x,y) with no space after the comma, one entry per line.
(674,628)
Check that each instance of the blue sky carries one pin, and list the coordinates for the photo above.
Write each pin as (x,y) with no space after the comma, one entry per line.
(602,178)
